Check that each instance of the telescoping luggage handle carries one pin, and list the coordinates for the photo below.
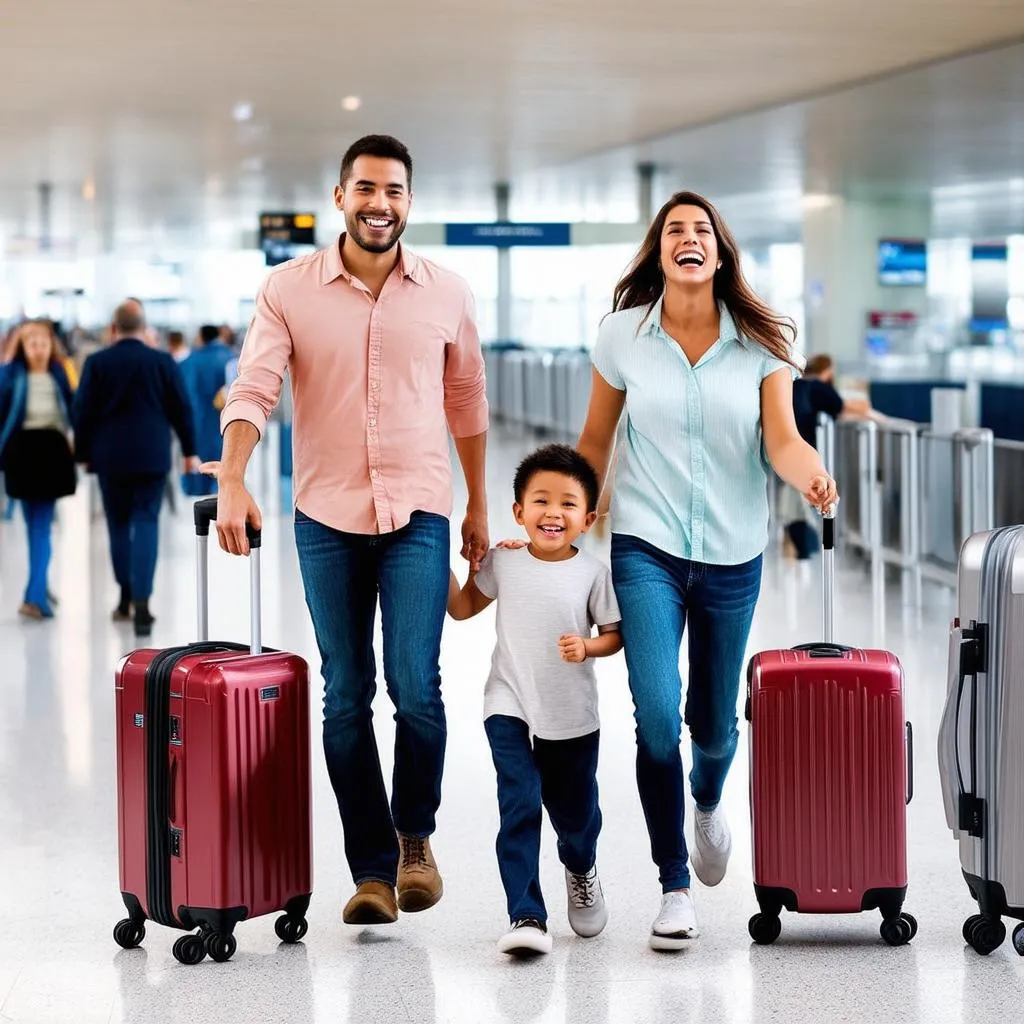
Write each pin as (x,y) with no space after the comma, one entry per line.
(828,573)
(205,512)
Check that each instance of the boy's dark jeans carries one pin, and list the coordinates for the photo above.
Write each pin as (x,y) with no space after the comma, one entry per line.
(560,775)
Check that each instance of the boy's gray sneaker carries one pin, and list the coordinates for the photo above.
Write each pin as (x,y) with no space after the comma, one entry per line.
(588,912)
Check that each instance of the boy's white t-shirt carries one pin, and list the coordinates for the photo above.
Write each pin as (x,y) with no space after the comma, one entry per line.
(538,602)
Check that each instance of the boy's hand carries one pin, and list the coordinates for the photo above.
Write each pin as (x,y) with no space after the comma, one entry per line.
(512,545)
(572,648)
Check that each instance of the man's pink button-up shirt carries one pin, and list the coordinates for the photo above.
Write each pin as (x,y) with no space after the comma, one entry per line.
(376,386)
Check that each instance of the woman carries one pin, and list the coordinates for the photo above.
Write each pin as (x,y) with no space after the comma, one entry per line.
(704,371)
(35,403)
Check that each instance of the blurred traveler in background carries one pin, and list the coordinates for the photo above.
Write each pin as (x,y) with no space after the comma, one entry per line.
(35,449)
(203,374)
(130,397)
(813,393)
(177,347)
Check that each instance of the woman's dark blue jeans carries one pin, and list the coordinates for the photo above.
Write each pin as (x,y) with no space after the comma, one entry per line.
(658,596)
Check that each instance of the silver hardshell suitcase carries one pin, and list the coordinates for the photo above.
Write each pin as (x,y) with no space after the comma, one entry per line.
(981,738)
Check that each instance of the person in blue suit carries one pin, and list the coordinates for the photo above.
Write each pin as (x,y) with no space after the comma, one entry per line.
(35,451)
(130,397)
(204,375)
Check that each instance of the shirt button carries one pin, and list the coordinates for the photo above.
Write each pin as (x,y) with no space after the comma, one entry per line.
(375,473)
(373,421)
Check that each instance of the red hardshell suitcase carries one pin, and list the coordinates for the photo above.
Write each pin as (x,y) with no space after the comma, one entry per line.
(213,783)
(831,773)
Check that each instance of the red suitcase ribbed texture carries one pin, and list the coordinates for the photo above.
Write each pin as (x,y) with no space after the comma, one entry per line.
(828,776)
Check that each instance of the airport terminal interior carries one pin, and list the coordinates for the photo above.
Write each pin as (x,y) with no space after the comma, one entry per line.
(869,161)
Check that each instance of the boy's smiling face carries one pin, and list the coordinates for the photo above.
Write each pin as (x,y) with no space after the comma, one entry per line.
(553,513)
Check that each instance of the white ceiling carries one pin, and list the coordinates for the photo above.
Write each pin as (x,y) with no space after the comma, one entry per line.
(136,96)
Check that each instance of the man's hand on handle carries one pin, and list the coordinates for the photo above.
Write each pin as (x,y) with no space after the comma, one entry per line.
(235,507)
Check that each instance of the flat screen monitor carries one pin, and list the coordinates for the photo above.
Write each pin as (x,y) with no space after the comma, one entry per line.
(902,262)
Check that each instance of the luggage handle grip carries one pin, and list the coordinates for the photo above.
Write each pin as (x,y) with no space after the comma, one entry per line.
(205,513)
(820,650)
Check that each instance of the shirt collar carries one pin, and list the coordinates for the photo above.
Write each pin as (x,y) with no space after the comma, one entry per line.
(332,267)
(727,330)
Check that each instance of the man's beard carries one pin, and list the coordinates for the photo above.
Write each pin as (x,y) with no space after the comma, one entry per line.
(356,229)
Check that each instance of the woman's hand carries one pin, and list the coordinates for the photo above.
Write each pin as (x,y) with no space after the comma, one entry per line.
(821,493)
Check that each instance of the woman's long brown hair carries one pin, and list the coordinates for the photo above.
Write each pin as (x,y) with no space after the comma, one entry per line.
(643,283)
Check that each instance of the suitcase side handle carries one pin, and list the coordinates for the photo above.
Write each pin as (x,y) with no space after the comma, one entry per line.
(205,513)
(910,762)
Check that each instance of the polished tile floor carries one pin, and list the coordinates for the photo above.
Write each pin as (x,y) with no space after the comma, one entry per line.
(58,853)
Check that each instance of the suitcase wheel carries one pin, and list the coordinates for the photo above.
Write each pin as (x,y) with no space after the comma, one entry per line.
(189,950)
(290,929)
(1018,939)
(898,931)
(219,946)
(128,934)
(985,933)
(765,928)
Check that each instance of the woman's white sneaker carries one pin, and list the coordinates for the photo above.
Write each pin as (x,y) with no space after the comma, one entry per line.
(676,925)
(525,937)
(712,845)
(588,912)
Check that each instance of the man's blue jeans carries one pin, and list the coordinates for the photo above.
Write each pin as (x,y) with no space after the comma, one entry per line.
(343,574)
(658,595)
(132,507)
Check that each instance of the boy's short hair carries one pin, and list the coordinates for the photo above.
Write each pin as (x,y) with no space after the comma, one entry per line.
(558,458)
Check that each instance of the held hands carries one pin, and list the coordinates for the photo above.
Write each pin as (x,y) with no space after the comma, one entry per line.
(821,492)
(572,648)
(475,540)
(190,464)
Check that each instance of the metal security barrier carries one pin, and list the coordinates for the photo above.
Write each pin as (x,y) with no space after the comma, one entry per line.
(1008,482)
(856,466)
(547,390)
(957,496)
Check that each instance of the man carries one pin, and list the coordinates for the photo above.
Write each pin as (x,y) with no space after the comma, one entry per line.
(813,393)
(130,397)
(384,360)
(203,373)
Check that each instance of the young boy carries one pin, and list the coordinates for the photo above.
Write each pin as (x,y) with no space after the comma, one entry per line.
(540,701)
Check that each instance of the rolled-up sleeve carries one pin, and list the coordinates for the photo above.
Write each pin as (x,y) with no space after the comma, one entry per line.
(262,364)
(465,384)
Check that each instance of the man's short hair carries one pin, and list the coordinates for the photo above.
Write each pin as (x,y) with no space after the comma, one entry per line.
(208,333)
(385,146)
(558,458)
(129,318)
